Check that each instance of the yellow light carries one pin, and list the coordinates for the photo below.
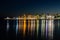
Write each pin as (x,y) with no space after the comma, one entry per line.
(37,26)
(24,28)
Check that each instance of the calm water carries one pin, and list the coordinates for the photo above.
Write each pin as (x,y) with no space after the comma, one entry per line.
(11,33)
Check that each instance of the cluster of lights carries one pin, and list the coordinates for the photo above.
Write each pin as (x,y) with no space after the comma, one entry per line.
(33,24)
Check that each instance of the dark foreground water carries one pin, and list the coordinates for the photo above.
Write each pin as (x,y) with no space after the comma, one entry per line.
(11,34)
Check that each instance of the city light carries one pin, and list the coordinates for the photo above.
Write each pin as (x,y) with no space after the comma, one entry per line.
(30,25)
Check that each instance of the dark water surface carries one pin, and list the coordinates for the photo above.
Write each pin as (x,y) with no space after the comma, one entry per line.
(11,33)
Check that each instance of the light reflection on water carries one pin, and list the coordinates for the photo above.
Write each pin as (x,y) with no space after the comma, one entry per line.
(53,29)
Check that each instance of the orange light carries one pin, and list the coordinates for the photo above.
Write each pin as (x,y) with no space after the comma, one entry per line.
(29,23)
(24,28)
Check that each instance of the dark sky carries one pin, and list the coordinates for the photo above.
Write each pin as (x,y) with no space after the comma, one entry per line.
(18,7)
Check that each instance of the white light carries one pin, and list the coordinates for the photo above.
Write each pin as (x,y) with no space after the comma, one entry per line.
(7,25)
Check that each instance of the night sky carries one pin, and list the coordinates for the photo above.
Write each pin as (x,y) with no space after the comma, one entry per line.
(18,7)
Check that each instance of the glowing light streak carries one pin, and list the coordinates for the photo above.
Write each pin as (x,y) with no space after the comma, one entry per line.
(24,28)
(42,27)
(20,24)
(37,26)
(50,27)
(16,26)
(46,28)
(32,26)
(29,25)
(7,25)
(33,29)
